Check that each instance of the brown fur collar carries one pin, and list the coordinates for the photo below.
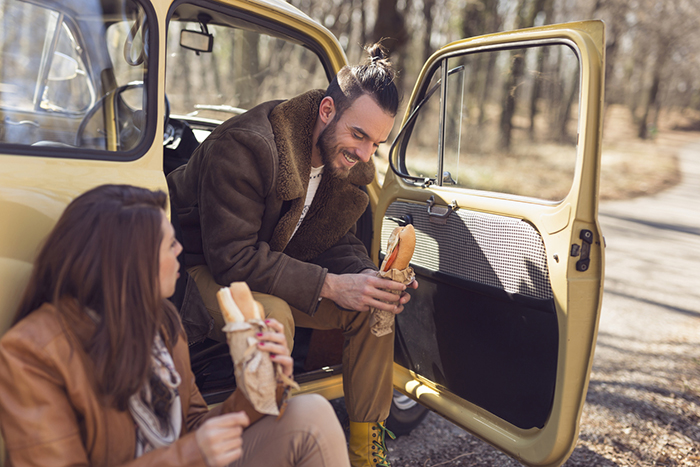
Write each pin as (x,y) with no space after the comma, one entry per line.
(338,203)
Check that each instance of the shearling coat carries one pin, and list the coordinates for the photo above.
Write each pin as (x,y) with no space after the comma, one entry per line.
(52,415)
(241,194)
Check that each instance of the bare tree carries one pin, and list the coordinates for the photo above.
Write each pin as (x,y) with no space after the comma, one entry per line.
(527,12)
(390,28)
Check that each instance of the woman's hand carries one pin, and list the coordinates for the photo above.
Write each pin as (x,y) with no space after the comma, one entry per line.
(275,343)
(220,438)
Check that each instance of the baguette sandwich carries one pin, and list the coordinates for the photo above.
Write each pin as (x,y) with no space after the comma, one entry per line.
(256,374)
(399,251)
(400,247)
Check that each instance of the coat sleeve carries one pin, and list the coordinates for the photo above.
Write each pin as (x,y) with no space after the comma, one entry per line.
(347,256)
(39,423)
(236,175)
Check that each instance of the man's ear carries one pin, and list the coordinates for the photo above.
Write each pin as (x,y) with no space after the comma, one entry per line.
(326,111)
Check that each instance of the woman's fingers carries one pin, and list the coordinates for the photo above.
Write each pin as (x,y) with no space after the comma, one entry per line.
(273,348)
(274,324)
(274,342)
(286,362)
(273,339)
(278,353)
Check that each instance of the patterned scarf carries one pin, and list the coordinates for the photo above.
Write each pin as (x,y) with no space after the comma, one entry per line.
(156,407)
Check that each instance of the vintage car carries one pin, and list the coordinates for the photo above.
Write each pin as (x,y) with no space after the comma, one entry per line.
(496,164)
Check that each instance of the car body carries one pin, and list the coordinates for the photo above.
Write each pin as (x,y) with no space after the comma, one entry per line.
(500,335)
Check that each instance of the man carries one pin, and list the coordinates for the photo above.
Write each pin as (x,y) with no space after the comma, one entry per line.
(271,197)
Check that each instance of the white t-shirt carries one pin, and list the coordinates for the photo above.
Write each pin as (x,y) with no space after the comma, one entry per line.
(314,181)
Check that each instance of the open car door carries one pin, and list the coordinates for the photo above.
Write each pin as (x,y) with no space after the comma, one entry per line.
(497,168)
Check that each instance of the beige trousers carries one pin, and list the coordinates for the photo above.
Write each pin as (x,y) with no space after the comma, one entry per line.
(307,435)
(367,359)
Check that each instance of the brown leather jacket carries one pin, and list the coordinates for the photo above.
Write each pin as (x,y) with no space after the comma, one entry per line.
(51,415)
(241,194)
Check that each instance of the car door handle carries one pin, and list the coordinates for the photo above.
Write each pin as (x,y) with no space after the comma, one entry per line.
(21,122)
(439,215)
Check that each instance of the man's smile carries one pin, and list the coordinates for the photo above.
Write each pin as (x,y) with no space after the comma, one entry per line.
(349,158)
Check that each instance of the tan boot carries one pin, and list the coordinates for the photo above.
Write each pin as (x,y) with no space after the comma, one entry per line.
(366,447)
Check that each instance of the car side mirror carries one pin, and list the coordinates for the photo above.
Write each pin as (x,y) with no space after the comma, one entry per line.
(197,41)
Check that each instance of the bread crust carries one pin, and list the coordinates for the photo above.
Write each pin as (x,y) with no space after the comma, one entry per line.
(229,309)
(406,246)
(244,299)
(237,304)
(400,248)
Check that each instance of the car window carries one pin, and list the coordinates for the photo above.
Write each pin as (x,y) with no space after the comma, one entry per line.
(509,121)
(71,75)
(249,63)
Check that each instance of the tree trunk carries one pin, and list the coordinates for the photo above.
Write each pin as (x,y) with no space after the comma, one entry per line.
(643,130)
(485,78)
(428,15)
(363,20)
(391,26)
(537,84)
(526,18)
(510,91)
(565,113)
(478,19)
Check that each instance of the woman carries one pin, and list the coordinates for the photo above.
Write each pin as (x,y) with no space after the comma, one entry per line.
(96,371)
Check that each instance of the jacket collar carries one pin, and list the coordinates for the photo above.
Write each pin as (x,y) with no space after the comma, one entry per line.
(338,202)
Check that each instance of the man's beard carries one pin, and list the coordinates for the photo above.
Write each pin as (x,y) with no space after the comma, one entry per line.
(330,151)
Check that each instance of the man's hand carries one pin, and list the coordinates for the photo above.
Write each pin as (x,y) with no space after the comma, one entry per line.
(362,291)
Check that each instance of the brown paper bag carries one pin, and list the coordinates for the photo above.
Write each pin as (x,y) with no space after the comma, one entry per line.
(382,322)
(256,374)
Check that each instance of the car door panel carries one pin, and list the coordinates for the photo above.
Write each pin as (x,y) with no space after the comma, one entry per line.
(484,296)
(499,335)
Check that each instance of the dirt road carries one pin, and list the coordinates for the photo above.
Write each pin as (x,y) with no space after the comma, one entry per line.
(643,404)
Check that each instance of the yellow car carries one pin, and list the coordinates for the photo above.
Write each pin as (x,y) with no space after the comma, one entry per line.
(496,165)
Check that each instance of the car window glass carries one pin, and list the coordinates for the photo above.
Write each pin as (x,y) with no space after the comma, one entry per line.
(510,123)
(68,89)
(65,74)
(21,48)
(247,65)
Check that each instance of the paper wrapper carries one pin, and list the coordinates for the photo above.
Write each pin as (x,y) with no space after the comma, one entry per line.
(256,374)
(382,322)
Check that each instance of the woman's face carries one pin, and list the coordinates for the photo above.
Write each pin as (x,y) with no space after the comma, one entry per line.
(170,248)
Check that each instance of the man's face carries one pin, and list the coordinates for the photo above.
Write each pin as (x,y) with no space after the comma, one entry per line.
(354,136)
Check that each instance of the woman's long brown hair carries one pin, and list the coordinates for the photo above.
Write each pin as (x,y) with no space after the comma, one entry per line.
(104,253)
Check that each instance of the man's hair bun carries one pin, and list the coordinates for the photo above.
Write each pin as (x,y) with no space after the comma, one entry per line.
(376,77)
(377,52)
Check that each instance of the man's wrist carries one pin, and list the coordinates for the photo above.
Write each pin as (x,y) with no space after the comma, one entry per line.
(327,287)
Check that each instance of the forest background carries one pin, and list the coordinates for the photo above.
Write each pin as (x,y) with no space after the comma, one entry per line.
(652,66)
